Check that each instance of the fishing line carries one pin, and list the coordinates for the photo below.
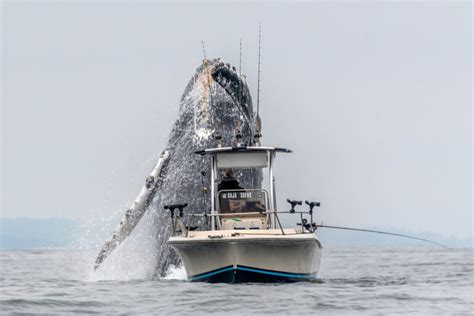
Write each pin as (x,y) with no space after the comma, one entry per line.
(384,233)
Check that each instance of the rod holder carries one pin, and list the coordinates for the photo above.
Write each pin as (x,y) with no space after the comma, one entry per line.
(312,205)
(173,207)
(293,204)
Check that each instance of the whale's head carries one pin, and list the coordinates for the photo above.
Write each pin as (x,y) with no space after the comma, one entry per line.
(235,85)
(217,101)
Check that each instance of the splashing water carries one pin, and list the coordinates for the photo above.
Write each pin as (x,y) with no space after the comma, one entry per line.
(135,259)
(175,273)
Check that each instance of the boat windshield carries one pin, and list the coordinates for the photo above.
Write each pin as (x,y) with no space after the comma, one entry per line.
(242,201)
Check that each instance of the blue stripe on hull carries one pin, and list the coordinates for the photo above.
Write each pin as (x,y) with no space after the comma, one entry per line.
(244,274)
(211,273)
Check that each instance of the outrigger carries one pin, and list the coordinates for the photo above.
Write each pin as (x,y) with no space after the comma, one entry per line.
(246,241)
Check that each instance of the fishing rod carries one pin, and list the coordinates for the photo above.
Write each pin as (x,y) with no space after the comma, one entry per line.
(384,233)
(258,80)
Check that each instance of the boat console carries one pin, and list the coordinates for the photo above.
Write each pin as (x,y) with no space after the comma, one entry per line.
(244,209)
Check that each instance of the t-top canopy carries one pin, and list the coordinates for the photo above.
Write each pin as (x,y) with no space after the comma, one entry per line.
(242,157)
(241,149)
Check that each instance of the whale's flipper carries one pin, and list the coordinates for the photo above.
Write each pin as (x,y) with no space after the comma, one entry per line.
(135,212)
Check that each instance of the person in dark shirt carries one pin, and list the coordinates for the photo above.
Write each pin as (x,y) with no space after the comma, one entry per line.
(229,182)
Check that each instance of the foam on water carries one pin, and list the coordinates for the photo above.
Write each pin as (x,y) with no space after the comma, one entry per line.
(176,273)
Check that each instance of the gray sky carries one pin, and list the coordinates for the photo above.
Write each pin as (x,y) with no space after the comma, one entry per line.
(374,98)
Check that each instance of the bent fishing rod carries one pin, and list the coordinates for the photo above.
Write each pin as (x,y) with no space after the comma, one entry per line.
(312,226)
(382,232)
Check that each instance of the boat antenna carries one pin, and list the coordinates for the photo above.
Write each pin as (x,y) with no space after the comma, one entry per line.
(258,78)
(203,49)
(240,57)
(240,73)
(258,121)
(384,233)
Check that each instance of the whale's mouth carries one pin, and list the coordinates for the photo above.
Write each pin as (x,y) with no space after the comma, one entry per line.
(233,83)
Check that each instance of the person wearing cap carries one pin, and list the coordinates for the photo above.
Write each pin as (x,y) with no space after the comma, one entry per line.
(229,182)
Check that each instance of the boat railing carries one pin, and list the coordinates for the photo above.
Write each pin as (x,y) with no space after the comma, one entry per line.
(178,225)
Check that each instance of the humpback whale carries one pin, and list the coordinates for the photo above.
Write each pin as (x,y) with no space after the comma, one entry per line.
(216,106)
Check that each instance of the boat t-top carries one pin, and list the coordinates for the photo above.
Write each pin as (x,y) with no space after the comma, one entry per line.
(245,240)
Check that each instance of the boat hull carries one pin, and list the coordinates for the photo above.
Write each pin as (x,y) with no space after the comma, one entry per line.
(242,274)
(254,258)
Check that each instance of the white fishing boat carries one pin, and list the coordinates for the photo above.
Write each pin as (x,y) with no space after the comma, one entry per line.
(245,240)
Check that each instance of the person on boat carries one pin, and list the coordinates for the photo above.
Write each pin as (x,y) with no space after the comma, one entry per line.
(229,182)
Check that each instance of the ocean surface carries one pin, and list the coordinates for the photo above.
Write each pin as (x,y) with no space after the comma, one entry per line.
(352,280)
